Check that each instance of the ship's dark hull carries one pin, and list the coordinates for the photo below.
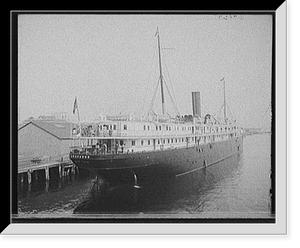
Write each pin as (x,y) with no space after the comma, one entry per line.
(170,162)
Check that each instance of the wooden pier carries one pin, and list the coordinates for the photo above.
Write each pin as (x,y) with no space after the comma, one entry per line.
(65,168)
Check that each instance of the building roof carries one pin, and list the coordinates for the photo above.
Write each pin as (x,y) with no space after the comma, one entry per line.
(59,129)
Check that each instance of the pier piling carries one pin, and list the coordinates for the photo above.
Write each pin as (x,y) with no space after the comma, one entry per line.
(47,173)
(29,176)
(60,170)
(22,178)
(34,171)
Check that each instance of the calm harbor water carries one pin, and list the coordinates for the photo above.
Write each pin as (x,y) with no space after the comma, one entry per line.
(235,188)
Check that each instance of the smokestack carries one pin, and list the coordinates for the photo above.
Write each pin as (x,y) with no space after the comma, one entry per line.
(196,103)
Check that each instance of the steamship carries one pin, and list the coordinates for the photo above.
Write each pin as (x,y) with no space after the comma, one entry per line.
(155,146)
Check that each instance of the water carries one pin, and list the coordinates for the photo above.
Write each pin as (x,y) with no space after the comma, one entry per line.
(235,188)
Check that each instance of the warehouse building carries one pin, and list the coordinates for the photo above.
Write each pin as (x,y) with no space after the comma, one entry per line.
(44,140)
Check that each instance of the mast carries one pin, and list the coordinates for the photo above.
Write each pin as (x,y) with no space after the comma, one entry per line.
(223,79)
(160,74)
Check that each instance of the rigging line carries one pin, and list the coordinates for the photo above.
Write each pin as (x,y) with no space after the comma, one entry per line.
(222,110)
(172,95)
(266,110)
(232,116)
(153,98)
(215,118)
(176,106)
(219,114)
(149,75)
(263,118)
(207,110)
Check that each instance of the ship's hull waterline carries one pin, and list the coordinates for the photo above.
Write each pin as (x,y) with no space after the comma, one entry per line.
(161,163)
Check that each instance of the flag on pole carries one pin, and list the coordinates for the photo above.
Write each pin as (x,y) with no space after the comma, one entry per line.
(222,79)
(156,31)
(75,105)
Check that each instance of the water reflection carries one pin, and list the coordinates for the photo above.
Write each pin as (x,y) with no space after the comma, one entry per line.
(187,194)
(57,195)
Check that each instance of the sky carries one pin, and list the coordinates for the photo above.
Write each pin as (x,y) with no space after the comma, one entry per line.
(110,63)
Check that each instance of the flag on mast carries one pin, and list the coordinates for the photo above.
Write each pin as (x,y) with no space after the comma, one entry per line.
(156,31)
(75,106)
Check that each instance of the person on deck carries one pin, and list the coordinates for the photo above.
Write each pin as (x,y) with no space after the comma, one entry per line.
(97,148)
(103,148)
(122,147)
(116,147)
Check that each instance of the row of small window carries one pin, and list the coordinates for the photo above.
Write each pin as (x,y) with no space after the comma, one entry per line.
(146,127)
(178,140)
(169,128)
(107,127)
(164,141)
(159,128)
